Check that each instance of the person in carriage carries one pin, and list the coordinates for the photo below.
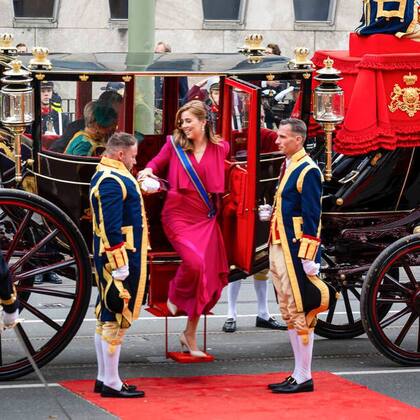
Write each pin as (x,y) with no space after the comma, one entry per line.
(99,125)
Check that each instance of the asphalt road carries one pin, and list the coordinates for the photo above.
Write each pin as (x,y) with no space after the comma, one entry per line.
(249,350)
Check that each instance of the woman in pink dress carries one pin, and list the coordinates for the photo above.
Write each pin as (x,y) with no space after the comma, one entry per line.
(192,230)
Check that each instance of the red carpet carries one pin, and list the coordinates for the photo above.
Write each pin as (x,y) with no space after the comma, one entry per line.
(245,397)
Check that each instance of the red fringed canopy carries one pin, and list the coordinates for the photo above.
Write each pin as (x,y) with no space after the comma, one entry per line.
(368,84)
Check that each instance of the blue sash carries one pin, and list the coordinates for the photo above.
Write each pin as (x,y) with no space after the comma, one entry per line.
(195,179)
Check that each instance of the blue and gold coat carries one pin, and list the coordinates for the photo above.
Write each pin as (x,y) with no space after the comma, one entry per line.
(296,226)
(398,17)
(120,237)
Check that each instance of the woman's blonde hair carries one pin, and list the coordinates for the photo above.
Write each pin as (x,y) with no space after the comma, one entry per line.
(199,110)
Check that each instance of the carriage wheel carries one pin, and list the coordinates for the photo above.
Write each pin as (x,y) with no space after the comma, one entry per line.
(345,322)
(334,324)
(37,238)
(397,335)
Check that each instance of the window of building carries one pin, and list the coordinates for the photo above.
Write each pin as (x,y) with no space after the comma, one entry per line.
(35,13)
(223,13)
(118,9)
(314,11)
(35,10)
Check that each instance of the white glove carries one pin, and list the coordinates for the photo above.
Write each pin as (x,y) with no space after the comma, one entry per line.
(121,273)
(280,96)
(268,92)
(311,268)
(150,185)
(10,319)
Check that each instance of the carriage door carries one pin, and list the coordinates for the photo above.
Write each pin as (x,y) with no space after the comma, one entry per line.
(241,110)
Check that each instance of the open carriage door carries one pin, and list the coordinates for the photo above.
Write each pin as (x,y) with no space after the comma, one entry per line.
(241,110)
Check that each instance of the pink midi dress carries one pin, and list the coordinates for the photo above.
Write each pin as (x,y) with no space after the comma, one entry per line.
(197,239)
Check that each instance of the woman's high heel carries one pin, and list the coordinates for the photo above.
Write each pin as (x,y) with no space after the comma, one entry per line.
(184,343)
(171,307)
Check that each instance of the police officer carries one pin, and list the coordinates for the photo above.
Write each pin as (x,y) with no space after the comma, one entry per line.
(52,118)
(120,247)
(294,251)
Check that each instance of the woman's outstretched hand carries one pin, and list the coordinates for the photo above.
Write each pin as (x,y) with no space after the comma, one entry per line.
(146,172)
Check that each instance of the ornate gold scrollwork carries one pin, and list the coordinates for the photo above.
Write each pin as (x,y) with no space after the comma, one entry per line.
(127,78)
(406,99)
(84,77)
(40,76)
(386,13)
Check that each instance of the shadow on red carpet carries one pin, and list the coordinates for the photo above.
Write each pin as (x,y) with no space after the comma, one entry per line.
(246,397)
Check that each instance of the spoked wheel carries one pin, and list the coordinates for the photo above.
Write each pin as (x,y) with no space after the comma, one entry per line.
(39,241)
(397,335)
(342,321)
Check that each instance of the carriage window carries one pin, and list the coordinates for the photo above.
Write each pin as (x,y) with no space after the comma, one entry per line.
(239,119)
(118,9)
(206,89)
(278,99)
(35,9)
(79,121)
(223,13)
(149,105)
(57,103)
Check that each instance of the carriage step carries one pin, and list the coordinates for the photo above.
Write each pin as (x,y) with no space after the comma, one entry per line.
(181,357)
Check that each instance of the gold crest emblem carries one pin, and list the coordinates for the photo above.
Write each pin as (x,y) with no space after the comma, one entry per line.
(406,99)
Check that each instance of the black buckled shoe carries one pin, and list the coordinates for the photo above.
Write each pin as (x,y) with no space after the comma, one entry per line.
(270,323)
(293,387)
(122,393)
(229,326)
(97,389)
(39,279)
(53,278)
(276,385)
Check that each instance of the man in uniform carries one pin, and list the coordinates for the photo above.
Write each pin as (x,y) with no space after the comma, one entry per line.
(294,251)
(52,117)
(120,244)
(7,295)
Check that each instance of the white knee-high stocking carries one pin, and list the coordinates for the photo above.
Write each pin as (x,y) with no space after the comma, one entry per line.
(111,362)
(99,357)
(261,289)
(303,359)
(233,292)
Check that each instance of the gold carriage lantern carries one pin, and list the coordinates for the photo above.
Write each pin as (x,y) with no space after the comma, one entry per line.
(17,106)
(328,106)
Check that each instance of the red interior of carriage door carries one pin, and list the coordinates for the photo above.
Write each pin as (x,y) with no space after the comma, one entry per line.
(239,127)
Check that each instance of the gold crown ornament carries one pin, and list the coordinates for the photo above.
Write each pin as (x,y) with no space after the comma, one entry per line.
(253,48)
(301,58)
(6,44)
(40,60)
(15,69)
(254,42)
(410,79)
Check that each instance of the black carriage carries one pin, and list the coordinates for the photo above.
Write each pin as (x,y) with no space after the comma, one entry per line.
(45,223)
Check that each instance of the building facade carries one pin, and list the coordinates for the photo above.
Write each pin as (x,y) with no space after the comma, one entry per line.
(187,25)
